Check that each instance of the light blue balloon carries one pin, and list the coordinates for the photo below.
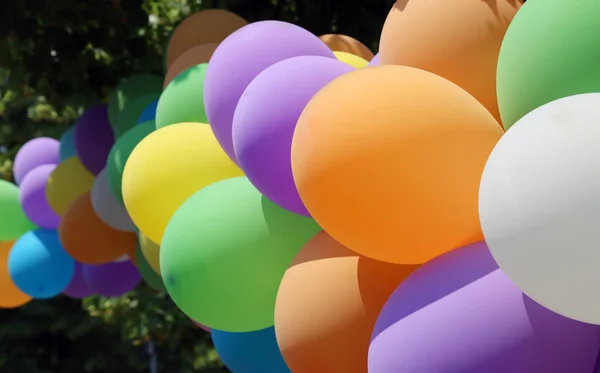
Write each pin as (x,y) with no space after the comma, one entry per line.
(149,113)
(67,145)
(38,264)
(253,352)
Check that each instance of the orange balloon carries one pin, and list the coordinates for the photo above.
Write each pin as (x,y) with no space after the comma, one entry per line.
(327,305)
(192,57)
(88,240)
(345,43)
(10,295)
(458,40)
(207,26)
(388,160)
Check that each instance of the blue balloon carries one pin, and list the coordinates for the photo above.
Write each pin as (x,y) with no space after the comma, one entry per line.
(39,265)
(67,145)
(253,352)
(149,113)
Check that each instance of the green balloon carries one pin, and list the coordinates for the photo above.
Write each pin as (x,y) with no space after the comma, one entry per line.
(13,222)
(225,251)
(148,275)
(165,48)
(119,154)
(131,113)
(182,101)
(550,51)
(129,89)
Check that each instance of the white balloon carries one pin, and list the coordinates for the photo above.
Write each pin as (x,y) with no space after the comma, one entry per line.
(539,206)
(107,207)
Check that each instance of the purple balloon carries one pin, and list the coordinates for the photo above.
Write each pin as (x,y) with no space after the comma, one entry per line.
(34,153)
(78,288)
(93,138)
(111,279)
(460,314)
(32,194)
(240,58)
(265,119)
(374,61)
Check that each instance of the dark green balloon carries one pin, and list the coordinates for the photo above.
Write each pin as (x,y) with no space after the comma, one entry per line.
(130,115)
(225,251)
(148,275)
(13,222)
(128,90)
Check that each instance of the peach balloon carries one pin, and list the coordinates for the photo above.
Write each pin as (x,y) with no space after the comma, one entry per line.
(327,306)
(345,43)
(458,40)
(192,57)
(207,26)
(88,240)
(388,160)
(10,295)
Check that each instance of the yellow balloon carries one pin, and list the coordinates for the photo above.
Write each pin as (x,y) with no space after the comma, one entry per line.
(166,168)
(151,251)
(352,60)
(68,181)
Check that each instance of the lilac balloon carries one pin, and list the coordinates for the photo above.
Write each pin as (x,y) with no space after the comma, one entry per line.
(111,279)
(37,152)
(265,119)
(93,138)
(77,288)
(203,327)
(32,194)
(240,58)
(460,314)
(374,61)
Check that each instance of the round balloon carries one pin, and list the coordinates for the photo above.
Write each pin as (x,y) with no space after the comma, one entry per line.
(151,252)
(39,265)
(375,61)
(192,57)
(87,239)
(131,113)
(106,207)
(420,126)
(546,163)
(151,184)
(347,44)
(112,279)
(460,314)
(13,221)
(32,196)
(347,291)
(352,60)
(34,153)
(457,40)
(68,181)
(93,137)
(67,145)
(225,271)
(253,352)
(535,52)
(10,295)
(183,99)
(78,288)
(240,58)
(149,113)
(148,274)
(129,89)
(262,134)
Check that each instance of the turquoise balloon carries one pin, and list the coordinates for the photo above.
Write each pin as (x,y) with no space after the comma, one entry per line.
(67,146)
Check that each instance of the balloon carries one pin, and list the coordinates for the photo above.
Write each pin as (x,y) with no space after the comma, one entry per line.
(183,99)
(207,26)
(151,252)
(457,40)
(382,157)
(149,276)
(460,314)
(67,146)
(352,60)
(346,291)
(34,153)
(535,52)
(131,113)
(107,208)
(262,134)
(93,138)
(87,239)
(151,184)
(78,288)
(149,113)
(119,154)
(224,254)
(32,196)
(254,352)
(129,89)
(347,44)
(197,55)
(10,295)
(201,326)
(240,58)
(38,264)
(112,279)
(68,181)
(13,221)
(538,205)
(375,61)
